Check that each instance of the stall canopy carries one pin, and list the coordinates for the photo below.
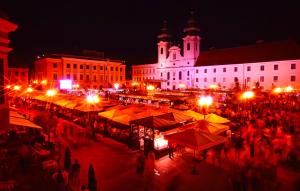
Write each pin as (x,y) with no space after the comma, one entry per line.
(19,120)
(195,139)
(213,118)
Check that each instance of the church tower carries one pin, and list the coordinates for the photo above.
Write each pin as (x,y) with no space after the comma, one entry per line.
(191,40)
(163,44)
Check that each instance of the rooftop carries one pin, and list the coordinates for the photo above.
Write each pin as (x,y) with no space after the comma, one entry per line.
(260,52)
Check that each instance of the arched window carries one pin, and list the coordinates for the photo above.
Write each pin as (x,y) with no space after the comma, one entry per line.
(180,75)
(168,75)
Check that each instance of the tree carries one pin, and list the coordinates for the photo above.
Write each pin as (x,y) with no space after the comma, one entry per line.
(47,121)
(67,160)
(92,183)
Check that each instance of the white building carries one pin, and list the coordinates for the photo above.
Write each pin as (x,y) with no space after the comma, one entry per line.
(270,64)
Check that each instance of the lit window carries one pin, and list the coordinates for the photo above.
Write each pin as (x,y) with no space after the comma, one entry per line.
(275,78)
(276,67)
(248,68)
(293,78)
(262,68)
(293,66)
(262,79)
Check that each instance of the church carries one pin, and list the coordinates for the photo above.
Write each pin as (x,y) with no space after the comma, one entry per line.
(178,67)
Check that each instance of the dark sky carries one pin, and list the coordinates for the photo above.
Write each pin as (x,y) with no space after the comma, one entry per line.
(127,30)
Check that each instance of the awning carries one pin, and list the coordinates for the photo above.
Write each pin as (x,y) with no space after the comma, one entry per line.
(198,140)
(19,120)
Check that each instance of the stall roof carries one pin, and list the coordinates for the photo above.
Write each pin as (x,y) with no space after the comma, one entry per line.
(19,120)
(198,140)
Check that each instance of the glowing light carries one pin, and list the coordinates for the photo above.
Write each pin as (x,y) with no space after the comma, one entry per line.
(116,86)
(248,95)
(51,92)
(76,86)
(17,88)
(29,90)
(213,86)
(205,101)
(8,87)
(35,81)
(135,84)
(160,143)
(150,88)
(182,86)
(288,89)
(44,82)
(277,90)
(93,99)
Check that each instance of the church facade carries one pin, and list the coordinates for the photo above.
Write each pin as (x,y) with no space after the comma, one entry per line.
(270,64)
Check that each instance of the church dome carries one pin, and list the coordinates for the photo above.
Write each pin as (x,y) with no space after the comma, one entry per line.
(164,34)
(192,26)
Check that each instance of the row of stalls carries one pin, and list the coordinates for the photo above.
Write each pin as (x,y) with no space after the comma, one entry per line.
(148,128)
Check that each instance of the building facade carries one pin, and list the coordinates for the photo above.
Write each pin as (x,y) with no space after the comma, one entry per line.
(17,76)
(270,64)
(5,28)
(88,72)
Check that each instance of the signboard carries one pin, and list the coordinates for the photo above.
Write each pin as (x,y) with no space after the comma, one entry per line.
(65,84)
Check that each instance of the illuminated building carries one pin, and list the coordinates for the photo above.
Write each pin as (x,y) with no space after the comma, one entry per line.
(87,72)
(17,76)
(5,28)
(270,64)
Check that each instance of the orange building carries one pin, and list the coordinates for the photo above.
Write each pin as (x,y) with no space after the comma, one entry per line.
(88,72)
(5,28)
(18,76)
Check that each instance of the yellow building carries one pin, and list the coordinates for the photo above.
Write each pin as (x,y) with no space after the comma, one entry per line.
(88,72)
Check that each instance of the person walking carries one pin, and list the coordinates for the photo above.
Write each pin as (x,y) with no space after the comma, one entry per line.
(171,151)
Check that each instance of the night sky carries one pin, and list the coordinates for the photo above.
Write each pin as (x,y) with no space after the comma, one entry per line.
(128,30)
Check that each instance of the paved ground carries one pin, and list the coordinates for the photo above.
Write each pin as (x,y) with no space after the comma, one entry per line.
(115,170)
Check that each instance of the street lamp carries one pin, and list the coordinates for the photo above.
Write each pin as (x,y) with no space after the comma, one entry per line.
(205,102)
(29,90)
(116,86)
(277,90)
(92,99)
(288,89)
(17,88)
(247,95)
(51,93)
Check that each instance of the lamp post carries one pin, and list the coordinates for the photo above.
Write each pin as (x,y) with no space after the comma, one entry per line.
(205,102)
(91,100)
(50,93)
